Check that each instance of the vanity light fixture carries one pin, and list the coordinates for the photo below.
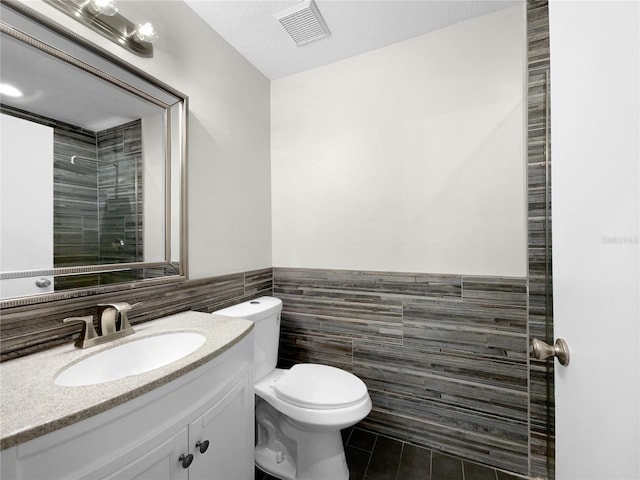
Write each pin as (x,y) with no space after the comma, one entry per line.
(103,17)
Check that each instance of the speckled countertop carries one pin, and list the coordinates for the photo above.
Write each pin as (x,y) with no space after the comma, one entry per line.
(31,404)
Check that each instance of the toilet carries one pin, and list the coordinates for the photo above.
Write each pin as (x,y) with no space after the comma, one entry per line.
(299,411)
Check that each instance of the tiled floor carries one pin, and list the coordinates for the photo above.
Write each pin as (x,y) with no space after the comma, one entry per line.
(374,457)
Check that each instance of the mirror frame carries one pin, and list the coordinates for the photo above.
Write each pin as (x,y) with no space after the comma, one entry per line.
(119,64)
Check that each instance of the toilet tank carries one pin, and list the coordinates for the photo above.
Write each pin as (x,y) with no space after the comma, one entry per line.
(265,313)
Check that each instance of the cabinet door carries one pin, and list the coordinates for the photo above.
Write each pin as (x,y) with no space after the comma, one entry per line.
(158,463)
(228,426)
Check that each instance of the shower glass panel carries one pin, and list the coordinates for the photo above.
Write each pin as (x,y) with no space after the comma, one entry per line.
(103,223)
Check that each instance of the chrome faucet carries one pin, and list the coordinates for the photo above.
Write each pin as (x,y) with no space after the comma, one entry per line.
(108,325)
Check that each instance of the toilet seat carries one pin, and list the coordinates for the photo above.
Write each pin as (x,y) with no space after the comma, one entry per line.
(316,415)
(320,387)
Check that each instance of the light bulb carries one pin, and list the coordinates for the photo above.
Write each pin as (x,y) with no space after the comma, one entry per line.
(103,7)
(10,90)
(146,33)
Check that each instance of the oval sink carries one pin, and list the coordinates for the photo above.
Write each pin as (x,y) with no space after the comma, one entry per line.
(131,358)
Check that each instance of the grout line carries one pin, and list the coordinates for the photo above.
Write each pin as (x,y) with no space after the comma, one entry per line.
(397,477)
(370,457)
(346,442)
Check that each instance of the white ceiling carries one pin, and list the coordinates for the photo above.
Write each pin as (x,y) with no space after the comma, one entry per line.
(356,26)
(63,92)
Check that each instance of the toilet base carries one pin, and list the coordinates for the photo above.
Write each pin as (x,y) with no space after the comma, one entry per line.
(291,451)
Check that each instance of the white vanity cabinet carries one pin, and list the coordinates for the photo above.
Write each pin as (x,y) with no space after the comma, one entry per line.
(153,435)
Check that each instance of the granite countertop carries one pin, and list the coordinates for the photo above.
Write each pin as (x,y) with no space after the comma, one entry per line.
(31,404)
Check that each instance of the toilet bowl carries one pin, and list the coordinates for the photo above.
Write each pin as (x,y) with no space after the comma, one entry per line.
(299,411)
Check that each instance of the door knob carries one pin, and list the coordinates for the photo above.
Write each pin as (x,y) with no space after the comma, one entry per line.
(542,350)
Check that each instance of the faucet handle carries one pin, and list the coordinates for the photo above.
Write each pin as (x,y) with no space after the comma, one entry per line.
(119,306)
(88,332)
(122,308)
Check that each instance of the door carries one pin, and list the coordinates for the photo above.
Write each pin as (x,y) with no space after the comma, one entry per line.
(26,205)
(158,462)
(595,129)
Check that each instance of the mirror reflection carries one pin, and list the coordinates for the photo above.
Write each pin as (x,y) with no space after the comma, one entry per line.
(86,176)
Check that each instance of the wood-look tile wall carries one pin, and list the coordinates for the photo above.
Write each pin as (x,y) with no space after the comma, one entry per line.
(120,193)
(29,328)
(75,195)
(542,416)
(97,202)
(444,356)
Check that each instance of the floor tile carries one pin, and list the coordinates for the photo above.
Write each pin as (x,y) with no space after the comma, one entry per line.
(373,457)
(346,433)
(445,467)
(362,439)
(260,475)
(475,471)
(415,463)
(385,459)
(357,461)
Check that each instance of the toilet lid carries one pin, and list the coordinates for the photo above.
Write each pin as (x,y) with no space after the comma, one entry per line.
(320,387)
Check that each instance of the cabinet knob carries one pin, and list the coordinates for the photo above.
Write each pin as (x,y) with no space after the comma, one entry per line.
(202,445)
(185,460)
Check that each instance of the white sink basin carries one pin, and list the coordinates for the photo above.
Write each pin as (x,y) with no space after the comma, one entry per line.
(131,358)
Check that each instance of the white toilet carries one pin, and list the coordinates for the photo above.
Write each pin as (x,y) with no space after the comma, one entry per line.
(299,412)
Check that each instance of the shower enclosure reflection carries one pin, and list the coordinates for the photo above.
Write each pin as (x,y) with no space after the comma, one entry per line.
(99,192)
(105,224)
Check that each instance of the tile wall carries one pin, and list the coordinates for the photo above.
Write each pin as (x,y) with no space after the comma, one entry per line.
(75,193)
(444,356)
(120,193)
(542,416)
(27,327)
(97,204)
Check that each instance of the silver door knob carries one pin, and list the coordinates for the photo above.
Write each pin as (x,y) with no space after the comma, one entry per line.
(43,282)
(542,350)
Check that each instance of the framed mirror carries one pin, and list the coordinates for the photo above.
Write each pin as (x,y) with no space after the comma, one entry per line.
(92,166)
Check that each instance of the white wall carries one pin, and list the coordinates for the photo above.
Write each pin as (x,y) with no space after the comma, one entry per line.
(595,143)
(407,158)
(229,180)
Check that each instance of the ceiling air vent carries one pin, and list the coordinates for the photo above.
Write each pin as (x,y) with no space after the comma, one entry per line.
(303,22)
